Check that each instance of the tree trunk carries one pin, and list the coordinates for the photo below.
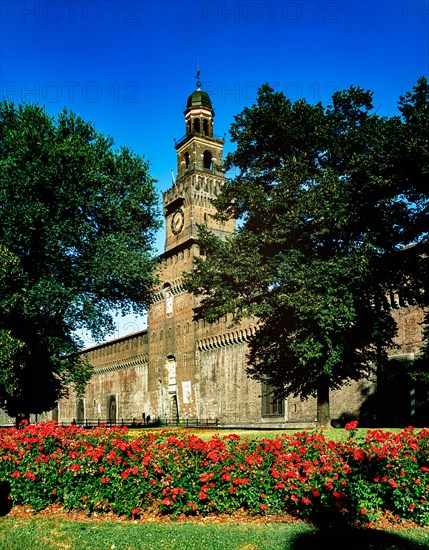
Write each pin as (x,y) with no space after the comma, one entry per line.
(323,410)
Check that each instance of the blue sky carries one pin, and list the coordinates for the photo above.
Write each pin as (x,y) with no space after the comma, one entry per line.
(129,66)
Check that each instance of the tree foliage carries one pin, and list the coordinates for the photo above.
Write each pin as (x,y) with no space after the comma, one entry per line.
(327,197)
(77,224)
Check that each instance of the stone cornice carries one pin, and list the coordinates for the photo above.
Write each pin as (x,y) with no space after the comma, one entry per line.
(141,360)
(110,343)
(176,289)
(226,339)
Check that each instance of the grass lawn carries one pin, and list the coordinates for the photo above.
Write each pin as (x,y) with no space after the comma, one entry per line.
(51,533)
(336,434)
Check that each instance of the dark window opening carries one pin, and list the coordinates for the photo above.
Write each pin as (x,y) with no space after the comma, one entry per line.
(197,127)
(80,410)
(207,159)
(187,161)
(272,405)
(205,127)
(111,408)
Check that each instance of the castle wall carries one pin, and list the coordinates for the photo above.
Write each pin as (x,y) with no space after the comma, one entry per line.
(121,371)
(409,321)
(210,379)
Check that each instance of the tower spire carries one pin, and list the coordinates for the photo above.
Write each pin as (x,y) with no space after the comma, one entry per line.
(198,75)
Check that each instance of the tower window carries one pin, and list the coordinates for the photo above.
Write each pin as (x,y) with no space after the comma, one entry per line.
(197,126)
(205,127)
(207,160)
(187,162)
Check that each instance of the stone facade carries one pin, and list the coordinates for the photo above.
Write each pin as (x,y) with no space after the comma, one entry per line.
(181,368)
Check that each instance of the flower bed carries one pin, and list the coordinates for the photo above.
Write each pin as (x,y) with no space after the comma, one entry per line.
(175,472)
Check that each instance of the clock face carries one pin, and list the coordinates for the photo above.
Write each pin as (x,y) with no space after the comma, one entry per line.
(177,221)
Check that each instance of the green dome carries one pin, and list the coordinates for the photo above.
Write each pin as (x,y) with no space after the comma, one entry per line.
(199,99)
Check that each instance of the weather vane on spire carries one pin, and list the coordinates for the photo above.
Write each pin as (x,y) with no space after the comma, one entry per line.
(198,75)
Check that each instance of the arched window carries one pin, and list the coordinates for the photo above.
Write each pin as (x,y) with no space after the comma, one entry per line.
(197,126)
(205,127)
(207,160)
(187,161)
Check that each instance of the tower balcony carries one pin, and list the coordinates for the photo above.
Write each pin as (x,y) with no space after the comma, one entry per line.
(199,167)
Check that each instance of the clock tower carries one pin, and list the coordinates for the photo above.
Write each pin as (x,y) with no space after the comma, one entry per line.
(174,381)
(199,176)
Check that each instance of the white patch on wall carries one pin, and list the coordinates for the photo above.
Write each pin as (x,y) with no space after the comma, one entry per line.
(168,301)
(138,399)
(187,392)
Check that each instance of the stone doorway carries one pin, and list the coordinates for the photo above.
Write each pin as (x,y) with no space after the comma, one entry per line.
(111,409)
(80,410)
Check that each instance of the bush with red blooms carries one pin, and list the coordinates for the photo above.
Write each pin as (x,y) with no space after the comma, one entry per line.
(173,472)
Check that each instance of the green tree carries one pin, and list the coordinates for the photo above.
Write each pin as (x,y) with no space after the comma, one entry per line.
(77,225)
(414,169)
(323,214)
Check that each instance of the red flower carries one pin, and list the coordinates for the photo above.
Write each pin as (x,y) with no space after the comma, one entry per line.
(205,477)
(392,483)
(135,511)
(241,481)
(105,480)
(263,507)
(202,495)
(363,511)
(16,474)
(351,425)
(358,454)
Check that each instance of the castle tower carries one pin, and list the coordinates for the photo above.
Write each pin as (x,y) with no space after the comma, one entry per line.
(187,204)
(199,176)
